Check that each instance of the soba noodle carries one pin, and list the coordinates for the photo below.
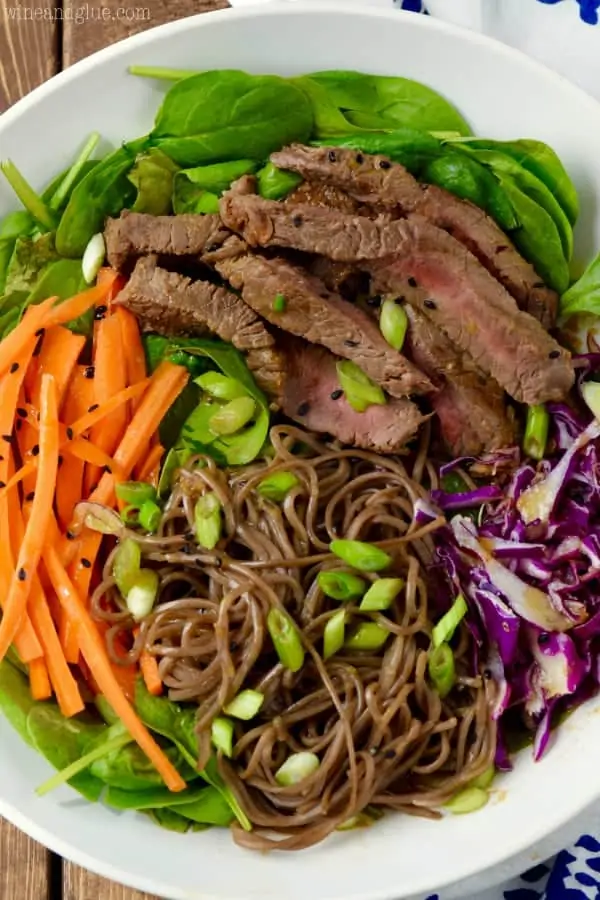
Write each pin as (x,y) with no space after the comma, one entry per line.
(384,737)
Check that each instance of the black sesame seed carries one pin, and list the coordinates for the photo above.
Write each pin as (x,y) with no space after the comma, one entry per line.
(385,164)
(35,449)
(335,395)
(303,409)
(1,459)
(14,368)
(40,332)
(38,347)
(70,536)
(212,247)
(554,354)
(360,159)
(375,302)
(501,248)
(390,754)
(22,575)
(234,646)
(189,535)
(93,407)
(21,412)
(412,281)
(29,497)
(70,433)
(351,343)
(8,438)
(86,563)
(297,221)
(100,312)
(332,156)
(543,638)
(89,372)
(2,484)
(107,469)
(430,304)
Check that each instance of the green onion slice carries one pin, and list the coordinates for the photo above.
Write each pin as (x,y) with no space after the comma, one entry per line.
(135,493)
(442,670)
(276,487)
(245,706)
(445,628)
(393,323)
(126,565)
(286,639)
(361,556)
(296,768)
(361,392)
(208,521)
(381,594)
(222,735)
(334,634)
(232,417)
(222,387)
(468,801)
(342,586)
(536,432)
(368,636)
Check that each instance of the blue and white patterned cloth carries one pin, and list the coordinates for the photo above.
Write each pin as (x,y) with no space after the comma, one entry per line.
(575,873)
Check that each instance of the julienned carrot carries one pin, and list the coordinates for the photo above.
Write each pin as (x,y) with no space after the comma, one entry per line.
(26,642)
(24,472)
(16,342)
(78,399)
(115,279)
(110,377)
(135,357)
(94,652)
(150,674)
(165,386)
(37,526)
(86,421)
(60,351)
(150,468)
(76,306)
(39,680)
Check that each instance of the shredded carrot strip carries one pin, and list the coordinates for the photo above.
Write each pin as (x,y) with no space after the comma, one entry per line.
(76,306)
(58,357)
(41,511)
(87,421)
(94,652)
(115,279)
(135,357)
(150,674)
(19,338)
(109,379)
(150,468)
(39,680)
(69,488)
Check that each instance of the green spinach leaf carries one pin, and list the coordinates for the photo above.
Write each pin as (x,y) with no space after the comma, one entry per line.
(584,295)
(412,148)
(31,256)
(208,117)
(275,184)
(129,769)
(15,699)
(153,177)
(209,807)
(103,192)
(169,820)
(62,279)
(198,190)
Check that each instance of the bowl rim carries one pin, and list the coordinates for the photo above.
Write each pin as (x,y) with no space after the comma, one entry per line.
(513,852)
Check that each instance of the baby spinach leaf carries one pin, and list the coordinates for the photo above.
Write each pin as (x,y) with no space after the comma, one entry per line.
(103,192)
(15,699)
(209,807)
(163,798)
(541,160)
(31,256)
(388,102)
(63,741)
(169,820)
(529,184)
(468,179)
(408,146)
(275,184)
(62,279)
(537,237)
(129,769)
(207,117)
(328,118)
(198,190)
(584,295)
(153,178)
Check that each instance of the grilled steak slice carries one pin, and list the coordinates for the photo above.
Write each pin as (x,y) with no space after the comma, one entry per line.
(382,183)
(322,317)
(172,304)
(312,398)
(138,234)
(477,314)
(311,194)
(370,179)
(480,234)
(470,406)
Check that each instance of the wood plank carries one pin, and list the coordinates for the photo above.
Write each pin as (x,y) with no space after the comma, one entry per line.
(111,20)
(28,47)
(82,885)
(24,866)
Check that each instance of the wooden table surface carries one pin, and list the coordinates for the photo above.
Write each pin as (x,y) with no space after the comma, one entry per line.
(35,43)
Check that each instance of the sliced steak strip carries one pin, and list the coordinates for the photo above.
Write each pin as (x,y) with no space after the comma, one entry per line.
(138,234)
(494,250)
(312,398)
(470,406)
(477,314)
(322,317)
(310,193)
(379,181)
(172,304)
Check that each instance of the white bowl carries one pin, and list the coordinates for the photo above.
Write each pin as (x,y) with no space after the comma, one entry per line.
(504,95)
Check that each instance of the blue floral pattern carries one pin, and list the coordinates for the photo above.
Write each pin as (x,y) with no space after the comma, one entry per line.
(575,873)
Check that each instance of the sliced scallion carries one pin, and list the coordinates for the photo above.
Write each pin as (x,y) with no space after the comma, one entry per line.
(286,639)
(445,628)
(442,670)
(93,257)
(135,492)
(536,432)
(381,594)
(245,706)
(467,801)
(232,417)
(393,323)
(279,303)
(334,634)
(590,391)
(367,636)
(142,595)
(222,735)
(342,586)
(150,516)
(222,387)
(276,487)
(126,565)
(360,390)
(208,521)
(360,555)
(296,768)
(484,780)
